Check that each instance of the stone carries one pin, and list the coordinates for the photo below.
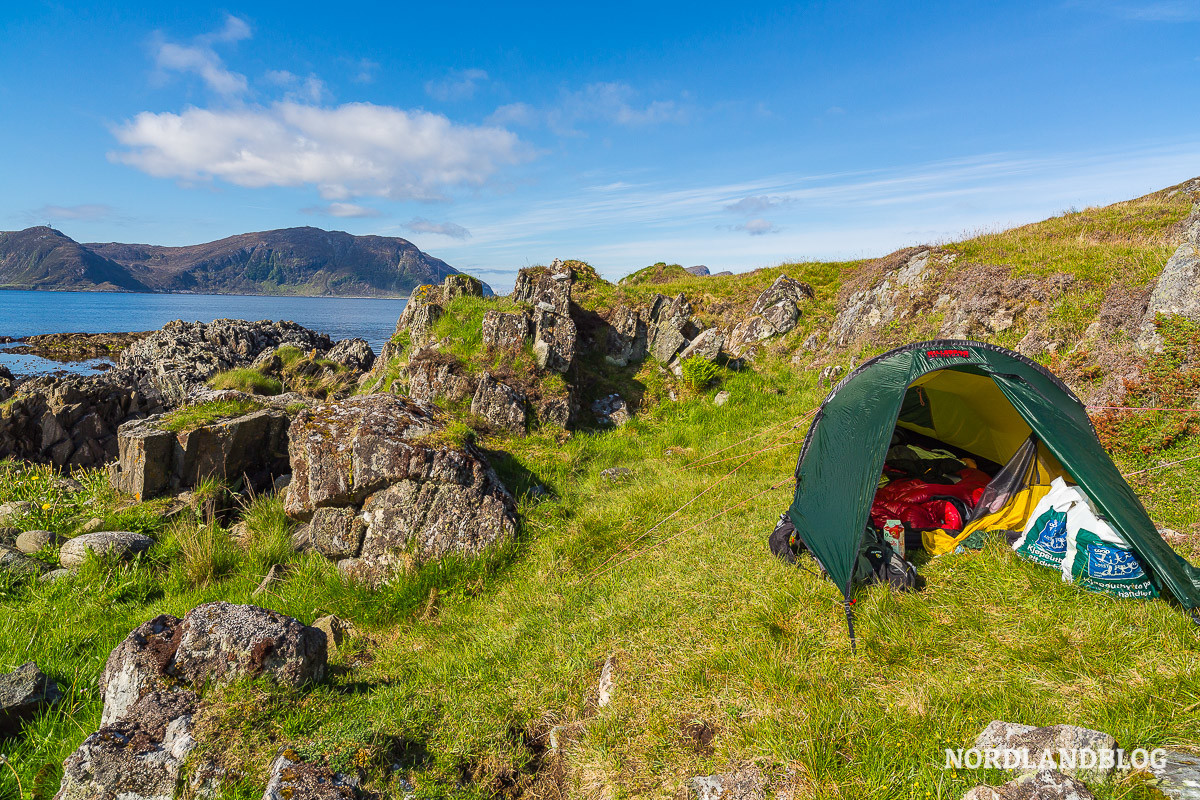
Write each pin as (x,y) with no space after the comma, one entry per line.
(554,341)
(23,693)
(1178,775)
(1051,740)
(337,630)
(1044,785)
(301,538)
(782,289)
(782,316)
(292,779)
(31,542)
(355,354)
(626,338)
(92,525)
(12,512)
(548,290)
(420,314)
(669,326)
(336,533)
(748,333)
(746,783)
(274,575)
(499,404)
(706,344)
(721,398)
(120,545)
(611,410)
(215,643)
(461,285)
(830,376)
(431,377)
(8,536)
(608,682)
(152,460)
(1175,292)
(137,757)
(616,474)
(506,332)
(55,575)
(14,562)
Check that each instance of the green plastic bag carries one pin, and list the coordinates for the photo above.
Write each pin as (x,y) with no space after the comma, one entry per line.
(1044,540)
(1100,560)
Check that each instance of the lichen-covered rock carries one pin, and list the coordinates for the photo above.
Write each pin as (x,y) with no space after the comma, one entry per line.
(669,327)
(500,404)
(137,757)
(784,289)
(215,643)
(461,285)
(14,562)
(611,410)
(555,340)
(355,354)
(1035,744)
(23,693)
(707,344)
(748,333)
(121,545)
(545,289)
(506,332)
(420,314)
(1044,785)
(431,377)
(336,533)
(627,337)
(292,779)
(1177,290)
(30,542)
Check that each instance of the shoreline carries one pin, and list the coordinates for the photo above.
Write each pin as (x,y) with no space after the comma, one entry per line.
(9,288)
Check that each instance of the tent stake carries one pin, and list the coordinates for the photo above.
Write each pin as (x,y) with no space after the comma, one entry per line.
(850,624)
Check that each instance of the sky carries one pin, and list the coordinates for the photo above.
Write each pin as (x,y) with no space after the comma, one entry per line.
(496,136)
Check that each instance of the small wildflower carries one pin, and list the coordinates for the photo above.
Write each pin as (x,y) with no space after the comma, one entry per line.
(45,506)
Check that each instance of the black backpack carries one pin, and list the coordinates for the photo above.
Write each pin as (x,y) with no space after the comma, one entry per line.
(878,562)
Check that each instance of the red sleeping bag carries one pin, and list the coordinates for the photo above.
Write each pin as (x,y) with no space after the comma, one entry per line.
(915,502)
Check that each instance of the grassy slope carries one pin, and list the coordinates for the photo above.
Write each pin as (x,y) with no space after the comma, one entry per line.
(469,660)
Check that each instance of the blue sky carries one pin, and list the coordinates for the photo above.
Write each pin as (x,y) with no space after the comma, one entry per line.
(623,134)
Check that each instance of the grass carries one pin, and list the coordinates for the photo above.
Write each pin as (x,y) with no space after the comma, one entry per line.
(195,416)
(245,379)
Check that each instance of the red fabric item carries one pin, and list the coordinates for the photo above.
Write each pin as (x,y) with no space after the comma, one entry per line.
(911,501)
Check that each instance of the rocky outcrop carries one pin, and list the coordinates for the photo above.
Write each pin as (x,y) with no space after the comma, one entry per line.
(627,337)
(1177,290)
(499,404)
(152,459)
(293,779)
(170,362)
(420,499)
(867,309)
(117,545)
(337,533)
(546,289)
(70,420)
(354,354)
(23,693)
(668,326)
(432,375)
(506,332)
(554,340)
(775,312)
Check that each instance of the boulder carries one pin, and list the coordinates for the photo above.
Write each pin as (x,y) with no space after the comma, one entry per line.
(1044,785)
(356,354)
(627,337)
(669,326)
(153,460)
(783,290)
(23,693)
(706,344)
(506,332)
(554,340)
(546,289)
(461,285)
(432,376)
(420,498)
(137,757)
(611,410)
(31,542)
(292,779)
(748,333)
(336,533)
(1177,775)
(1048,741)
(14,562)
(216,643)
(121,545)
(746,783)
(721,398)
(500,404)
(1176,290)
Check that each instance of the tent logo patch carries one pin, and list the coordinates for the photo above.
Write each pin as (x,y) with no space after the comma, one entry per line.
(948,353)
(1112,564)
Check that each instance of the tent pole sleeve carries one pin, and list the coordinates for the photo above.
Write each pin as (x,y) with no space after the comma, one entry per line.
(850,623)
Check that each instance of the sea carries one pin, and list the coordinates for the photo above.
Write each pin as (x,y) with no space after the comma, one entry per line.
(25,313)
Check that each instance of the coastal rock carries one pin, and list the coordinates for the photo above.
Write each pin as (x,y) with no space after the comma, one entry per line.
(1176,291)
(627,337)
(432,375)
(336,629)
(153,460)
(336,533)
(355,354)
(546,289)
(216,643)
(499,404)
(554,340)
(137,757)
(1178,775)
(461,285)
(292,779)
(30,542)
(121,545)
(14,562)
(506,332)
(23,693)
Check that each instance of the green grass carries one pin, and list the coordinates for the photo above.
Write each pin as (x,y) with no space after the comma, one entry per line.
(245,379)
(195,416)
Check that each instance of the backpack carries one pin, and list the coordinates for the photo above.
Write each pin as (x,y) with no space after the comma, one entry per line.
(878,562)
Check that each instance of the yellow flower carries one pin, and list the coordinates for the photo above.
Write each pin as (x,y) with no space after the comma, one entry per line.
(45,506)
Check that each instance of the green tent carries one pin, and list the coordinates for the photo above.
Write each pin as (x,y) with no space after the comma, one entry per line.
(984,400)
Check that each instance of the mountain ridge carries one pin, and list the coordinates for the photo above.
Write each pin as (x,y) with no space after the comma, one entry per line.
(304,261)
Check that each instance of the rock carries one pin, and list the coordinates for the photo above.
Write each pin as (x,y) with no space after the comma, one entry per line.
(699,270)
(301,538)
(8,536)
(1044,785)
(121,545)
(23,693)
(547,290)
(669,326)
(1051,739)
(611,410)
(355,354)
(153,460)
(420,499)
(506,332)
(782,316)
(554,340)
(31,542)
(337,630)
(14,562)
(556,409)
(274,575)
(1175,291)
(55,575)
(783,289)
(216,643)
(137,757)
(461,285)
(499,404)
(608,682)
(336,533)
(432,376)
(746,783)
(707,344)
(626,338)
(1178,775)
(830,376)
(721,398)
(292,779)
(616,474)
(12,512)
(92,525)
(748,333)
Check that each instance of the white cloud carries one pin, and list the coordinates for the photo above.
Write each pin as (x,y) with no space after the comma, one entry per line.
(459,84)
(611,103)
(756,204)
(346,151)
(201,59)
(422,225)
(299,90)
(344,210)
(87,212)
(366,71)
(757,227)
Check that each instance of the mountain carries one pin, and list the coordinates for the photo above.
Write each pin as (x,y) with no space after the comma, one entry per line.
(43,258)
(297,261)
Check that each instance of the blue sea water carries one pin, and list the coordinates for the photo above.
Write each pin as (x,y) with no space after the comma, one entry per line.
(25,313)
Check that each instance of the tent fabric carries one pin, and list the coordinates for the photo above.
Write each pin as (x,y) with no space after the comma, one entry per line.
(843,454)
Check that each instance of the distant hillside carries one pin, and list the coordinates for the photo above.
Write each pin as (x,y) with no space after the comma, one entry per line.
(295,261)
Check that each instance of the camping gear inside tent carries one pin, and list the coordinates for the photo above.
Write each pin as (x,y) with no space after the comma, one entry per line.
(953,437)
